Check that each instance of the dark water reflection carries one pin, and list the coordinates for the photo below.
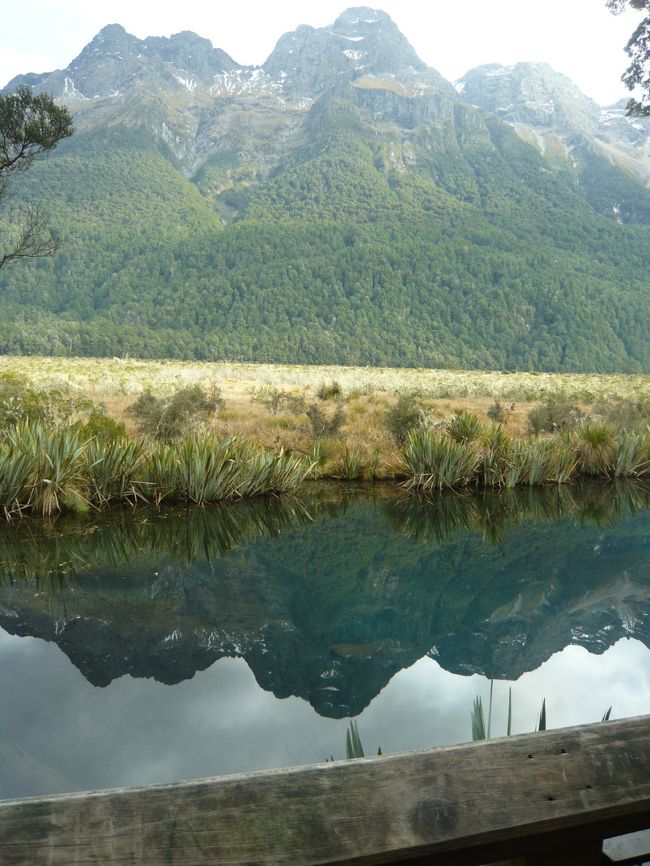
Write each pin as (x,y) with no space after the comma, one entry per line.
(321,601)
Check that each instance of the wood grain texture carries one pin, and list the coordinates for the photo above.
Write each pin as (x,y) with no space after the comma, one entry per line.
(372,811)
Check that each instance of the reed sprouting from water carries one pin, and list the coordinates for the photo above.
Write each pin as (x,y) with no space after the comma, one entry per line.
(47,471)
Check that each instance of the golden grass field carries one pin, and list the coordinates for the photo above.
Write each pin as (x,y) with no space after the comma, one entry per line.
(366,394)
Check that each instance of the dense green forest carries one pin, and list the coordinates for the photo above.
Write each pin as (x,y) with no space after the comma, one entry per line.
(358,248)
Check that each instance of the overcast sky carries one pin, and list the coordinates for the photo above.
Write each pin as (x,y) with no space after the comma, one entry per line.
(578,37)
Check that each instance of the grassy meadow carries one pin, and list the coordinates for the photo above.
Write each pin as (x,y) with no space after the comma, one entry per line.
(126,429)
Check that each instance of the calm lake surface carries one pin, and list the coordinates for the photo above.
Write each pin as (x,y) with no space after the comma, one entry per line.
(142,647)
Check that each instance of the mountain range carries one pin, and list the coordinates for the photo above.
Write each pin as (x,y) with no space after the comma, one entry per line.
(341,203)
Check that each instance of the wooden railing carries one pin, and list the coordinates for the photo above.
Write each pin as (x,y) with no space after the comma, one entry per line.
(546,798)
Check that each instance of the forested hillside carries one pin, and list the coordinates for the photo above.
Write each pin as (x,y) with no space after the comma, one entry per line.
(364,215)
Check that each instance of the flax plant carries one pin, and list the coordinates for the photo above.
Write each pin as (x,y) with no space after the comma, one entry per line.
(437,462)
(17,471)
(158,477)
(632,455)
(464,426)
(112,469)
(496,446)
(207,469)
(58,480)
(595,446)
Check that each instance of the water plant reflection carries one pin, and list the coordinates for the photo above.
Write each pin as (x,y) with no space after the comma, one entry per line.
(494,513)
(46,550)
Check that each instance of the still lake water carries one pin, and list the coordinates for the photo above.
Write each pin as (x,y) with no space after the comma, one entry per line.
(157,646)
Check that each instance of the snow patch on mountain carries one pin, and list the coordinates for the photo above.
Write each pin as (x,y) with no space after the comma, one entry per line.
(245,82)
(496,73)
(70,91)
(189,83)
(347,38)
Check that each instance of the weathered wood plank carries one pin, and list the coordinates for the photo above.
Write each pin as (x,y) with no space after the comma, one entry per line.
(374,811)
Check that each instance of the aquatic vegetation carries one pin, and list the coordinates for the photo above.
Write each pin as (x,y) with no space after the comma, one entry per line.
(396,424)
(496,445)
(51,470)
(57,480)
(351,467)
(542,461)
(435,461)
(632,455)
(17,470)
(353,746)
(112,468)
(595,446)
(481,731)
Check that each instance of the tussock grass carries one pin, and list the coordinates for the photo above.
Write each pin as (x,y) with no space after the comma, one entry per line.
(596,447)
(48,471)
(102,378)
(435,461)
(632,455)
(358,430)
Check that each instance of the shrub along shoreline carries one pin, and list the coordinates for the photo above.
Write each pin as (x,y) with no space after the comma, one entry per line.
(46,470)
(488,457)
(62,451)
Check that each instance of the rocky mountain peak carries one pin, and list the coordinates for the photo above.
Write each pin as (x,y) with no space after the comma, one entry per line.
(568,128)
(361,41)
(192,53)
(111,33)
(531,93)
(115,60)
(362,17)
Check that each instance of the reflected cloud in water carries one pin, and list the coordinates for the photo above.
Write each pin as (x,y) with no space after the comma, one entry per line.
(392,610)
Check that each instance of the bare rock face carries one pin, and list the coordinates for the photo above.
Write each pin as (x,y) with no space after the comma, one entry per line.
(195,100)
(115,62)
(361,41)
(530,93)
(551,113)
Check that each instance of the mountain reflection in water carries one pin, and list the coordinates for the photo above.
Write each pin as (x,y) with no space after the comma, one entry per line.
(328,596)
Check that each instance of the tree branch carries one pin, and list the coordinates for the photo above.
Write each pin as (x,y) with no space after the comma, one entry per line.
(36,239)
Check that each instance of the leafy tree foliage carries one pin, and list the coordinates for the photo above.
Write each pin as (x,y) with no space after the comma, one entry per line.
(30,125)
(637,75)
